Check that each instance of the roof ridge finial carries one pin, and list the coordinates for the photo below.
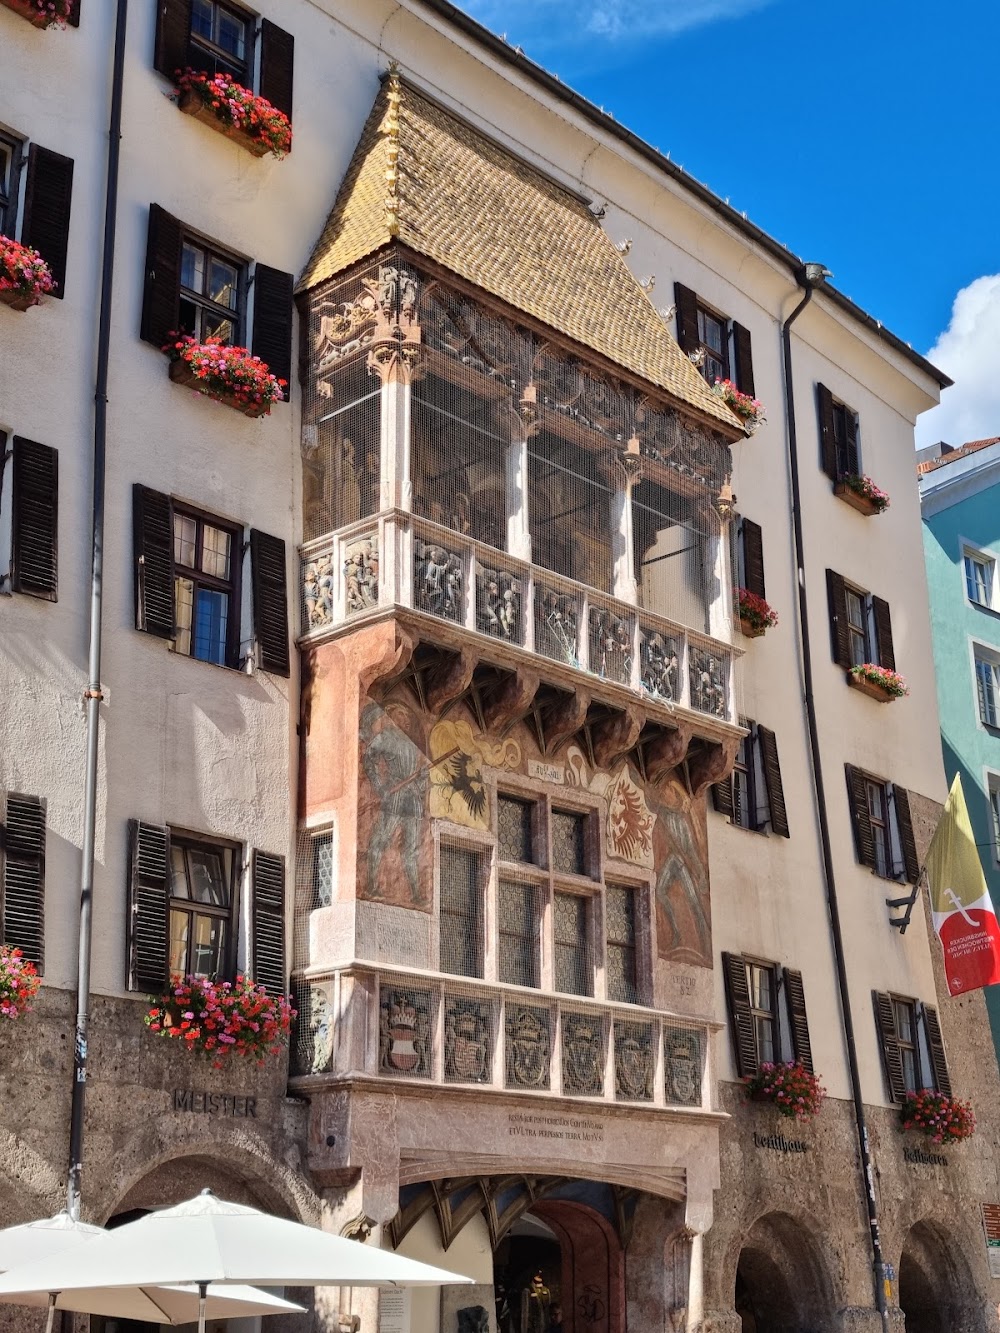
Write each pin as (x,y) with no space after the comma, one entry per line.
(391,129)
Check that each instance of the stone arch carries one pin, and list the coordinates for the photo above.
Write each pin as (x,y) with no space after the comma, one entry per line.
(30,1186)
(781,1282)
(161,1163)
(935,1283)
(593,1265)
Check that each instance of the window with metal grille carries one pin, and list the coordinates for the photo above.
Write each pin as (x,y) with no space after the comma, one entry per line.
(569,853)
(206,568)
(514,841)
(212,286)
(620,944)
(573,969)
(202,904)
(518,916)
(322,869)
(461,911)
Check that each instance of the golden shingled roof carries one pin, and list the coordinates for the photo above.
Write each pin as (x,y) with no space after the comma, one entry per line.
(428,178)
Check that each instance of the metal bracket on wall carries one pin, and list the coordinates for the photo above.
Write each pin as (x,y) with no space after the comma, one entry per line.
(905,905)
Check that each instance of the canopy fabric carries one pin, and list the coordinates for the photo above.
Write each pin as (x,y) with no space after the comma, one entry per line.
(160,1305)
(29,1241)
(209,1240)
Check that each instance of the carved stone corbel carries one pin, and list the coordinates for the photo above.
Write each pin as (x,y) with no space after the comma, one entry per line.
(512,700)
(562,718)
(613,736)
(397,648)
(712,762)
(448,679)
(665,752)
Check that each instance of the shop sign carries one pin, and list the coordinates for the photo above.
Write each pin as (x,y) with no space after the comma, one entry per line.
(778,1143)
(215,1103)
(991,1227)
(921,1158)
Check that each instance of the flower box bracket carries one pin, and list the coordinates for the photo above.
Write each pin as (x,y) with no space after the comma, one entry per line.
(191,104)
(182,373)
(859,502)
(869,687)
(17,300)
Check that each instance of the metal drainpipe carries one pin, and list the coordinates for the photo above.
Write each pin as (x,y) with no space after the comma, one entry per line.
(808,279)
(93,694)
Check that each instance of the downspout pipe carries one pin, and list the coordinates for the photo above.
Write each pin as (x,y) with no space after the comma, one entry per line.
(809,278)
(93,695)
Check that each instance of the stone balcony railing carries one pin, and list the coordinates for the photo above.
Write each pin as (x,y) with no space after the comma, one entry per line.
(424,1028)
(397,560)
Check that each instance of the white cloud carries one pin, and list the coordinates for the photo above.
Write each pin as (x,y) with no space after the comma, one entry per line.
(541,25)
(967,351)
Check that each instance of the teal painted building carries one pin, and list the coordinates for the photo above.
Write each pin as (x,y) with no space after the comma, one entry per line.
(960,504)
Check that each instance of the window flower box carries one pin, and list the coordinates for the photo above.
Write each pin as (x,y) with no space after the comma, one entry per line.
(861,493)
(42,13)
(223,1019)
(19,983)
(877,682)
(756,617)
(225,105)
(750,410)
(940,1118)
(232,376)
(24,275)
(792,1089)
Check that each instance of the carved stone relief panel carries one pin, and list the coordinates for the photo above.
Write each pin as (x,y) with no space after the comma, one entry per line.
(361,567)
(528,1046)
(583,1054)
(438,578)
(499,604)
(317,591)
(404,1032)
(468,1039)
(556,624)
(659,661)
(682,1066)
(611,636)
(708,682)
(635,1061)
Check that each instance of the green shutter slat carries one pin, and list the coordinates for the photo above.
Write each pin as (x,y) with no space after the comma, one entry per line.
(277,62)
(840,633)
(744,360)
(48,197)
(270,602)
(904,827)
(883,628)
(173,33)
(161,290)
(35,520)
(149,912)
(864,839)
(722,797)
(772,780)
(22,906)
(153,547)
(268,886)
(935,1042)
(753,557)
(892,1060)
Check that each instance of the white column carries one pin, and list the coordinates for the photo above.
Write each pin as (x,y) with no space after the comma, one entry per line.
(628,470)
(395,480)
(522,426)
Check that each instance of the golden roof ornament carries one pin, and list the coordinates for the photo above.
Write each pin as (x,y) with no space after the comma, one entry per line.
(390,128)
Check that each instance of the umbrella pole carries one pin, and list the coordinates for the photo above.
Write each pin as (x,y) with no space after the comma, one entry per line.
(202,1297)
(50,1318)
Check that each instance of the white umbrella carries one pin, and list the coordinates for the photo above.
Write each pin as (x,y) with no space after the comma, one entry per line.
(35,1241)
(209,1240)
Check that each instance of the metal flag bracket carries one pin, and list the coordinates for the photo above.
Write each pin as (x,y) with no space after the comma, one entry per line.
(905,905)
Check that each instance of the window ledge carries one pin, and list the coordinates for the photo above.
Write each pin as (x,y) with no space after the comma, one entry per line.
(856,501)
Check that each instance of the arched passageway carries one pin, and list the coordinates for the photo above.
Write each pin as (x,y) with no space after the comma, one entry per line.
(934,1286)
(782,1282)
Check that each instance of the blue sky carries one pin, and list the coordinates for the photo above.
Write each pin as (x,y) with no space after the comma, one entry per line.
(861,133)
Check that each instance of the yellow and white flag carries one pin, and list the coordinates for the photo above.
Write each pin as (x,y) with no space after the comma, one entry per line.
(964,916)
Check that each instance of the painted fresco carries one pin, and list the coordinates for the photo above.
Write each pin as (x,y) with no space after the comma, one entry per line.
(458,787)
(394,833)
(680,850)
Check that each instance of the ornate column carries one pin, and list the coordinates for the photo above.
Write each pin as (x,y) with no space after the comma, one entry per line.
(628,470)
(720,612)
(523,425)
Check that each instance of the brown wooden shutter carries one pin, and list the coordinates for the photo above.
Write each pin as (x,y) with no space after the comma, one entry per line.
(935,1044)
(892,1061)
(270,602)
(272,319)
(153,543)
(22,906)
(687,317)
(277,61)
(753,557)
(740,1017)
(795,997)
(851,427)
(267,875)
(173,34)
(904,827)
(864,839)
(73,17)
(772,780)
(161,293)
(840,634)
(827,435)
(722,797)
(883,629)
(149,907)
(35,520)
(48,195)
(744,359)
